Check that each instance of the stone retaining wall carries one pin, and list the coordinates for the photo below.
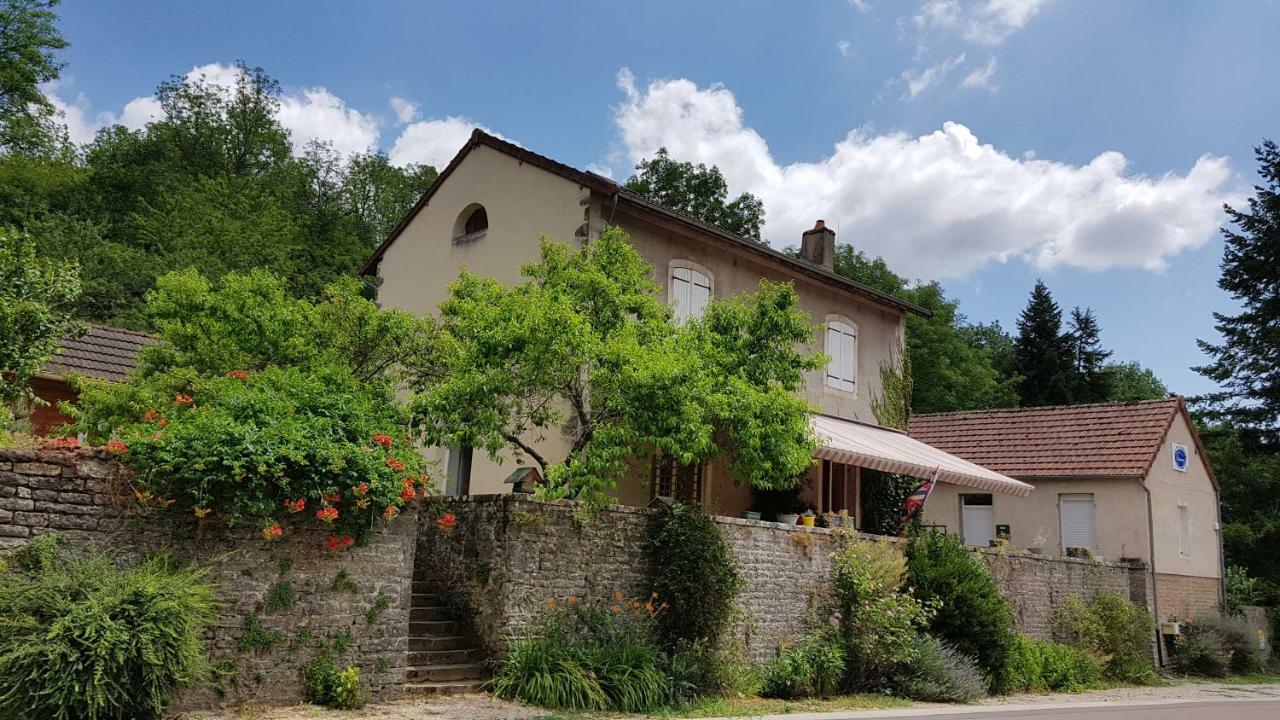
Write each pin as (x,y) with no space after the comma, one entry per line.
(81,496)
(508,555)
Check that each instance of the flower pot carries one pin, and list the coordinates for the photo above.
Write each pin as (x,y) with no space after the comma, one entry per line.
(788,519)
(750,515)
(807,520)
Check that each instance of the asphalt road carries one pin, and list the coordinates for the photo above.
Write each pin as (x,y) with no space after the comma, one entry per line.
(1210,710)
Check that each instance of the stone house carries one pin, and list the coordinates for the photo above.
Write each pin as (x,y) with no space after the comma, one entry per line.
(492,204)
(1127,481)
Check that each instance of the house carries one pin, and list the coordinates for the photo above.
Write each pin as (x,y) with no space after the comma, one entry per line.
(1124,480)
(492,204)
(102,352)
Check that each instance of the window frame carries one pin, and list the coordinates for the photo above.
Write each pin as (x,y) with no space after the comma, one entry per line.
(692,268)
(460,236)
(1063,498)
(846,351)
(666,471)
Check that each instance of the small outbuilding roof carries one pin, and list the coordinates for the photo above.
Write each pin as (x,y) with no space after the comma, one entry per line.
(1098,440)
(105,353)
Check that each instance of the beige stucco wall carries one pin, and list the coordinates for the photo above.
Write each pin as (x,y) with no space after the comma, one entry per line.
(1171,488)
(1120,515)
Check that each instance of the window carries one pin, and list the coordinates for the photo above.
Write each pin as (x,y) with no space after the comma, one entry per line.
(478,220)
(1076,512)
(977,519)
(471,224)
(676,481)
(690,292)
(842,348)
(1184,531)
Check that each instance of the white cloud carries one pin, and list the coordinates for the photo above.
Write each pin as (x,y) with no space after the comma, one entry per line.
(845,49)
(987,22)
(406,110)
(601,170)
(918,81)
(82,123)
(433,141)
(941,204)
(982,78)
(861,6)
(317,114)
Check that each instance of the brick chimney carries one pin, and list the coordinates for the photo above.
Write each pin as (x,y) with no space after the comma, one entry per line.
(818,245)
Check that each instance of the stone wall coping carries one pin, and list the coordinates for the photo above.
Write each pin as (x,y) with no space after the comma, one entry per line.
(526,499)
(53,456)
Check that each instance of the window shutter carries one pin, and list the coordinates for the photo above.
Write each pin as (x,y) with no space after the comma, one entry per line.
(681,297)
(834,351)
(850,358)
(842,346)
(699,293)
(1077,514)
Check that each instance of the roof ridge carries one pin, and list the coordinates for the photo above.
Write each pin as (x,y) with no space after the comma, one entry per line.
(122,331)
(1045,408)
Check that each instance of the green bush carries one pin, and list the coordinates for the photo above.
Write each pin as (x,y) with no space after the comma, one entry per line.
(587,657)
(1039,667)
(878,621)
(1215,647)
(1023,669)
(82,639)
(813,667)
(692,572)
(938,672)
(324,684)
(972,615)
(1116,632)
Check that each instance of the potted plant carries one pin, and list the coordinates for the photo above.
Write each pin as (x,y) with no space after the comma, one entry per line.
(789,518)
(808,518)
(751,515)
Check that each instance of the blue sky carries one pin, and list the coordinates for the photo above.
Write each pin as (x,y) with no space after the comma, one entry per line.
(984,143)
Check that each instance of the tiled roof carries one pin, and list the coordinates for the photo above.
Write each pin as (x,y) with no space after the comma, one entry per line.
(102,352)
(1103,440)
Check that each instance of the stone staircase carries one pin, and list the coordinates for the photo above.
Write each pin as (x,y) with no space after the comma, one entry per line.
(445,657)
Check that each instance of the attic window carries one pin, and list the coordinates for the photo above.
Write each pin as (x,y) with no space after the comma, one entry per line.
(471,225)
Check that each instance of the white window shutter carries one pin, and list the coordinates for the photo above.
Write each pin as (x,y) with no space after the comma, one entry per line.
(1078,523)
(834,350)
(842,347)
(681,297)
(850,342)
(699,293)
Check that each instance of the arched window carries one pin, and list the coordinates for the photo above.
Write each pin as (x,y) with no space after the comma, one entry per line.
(690,292)
(471,224)
(842,349)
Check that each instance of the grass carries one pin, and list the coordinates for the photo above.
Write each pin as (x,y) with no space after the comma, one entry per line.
(752,707)
(1255,679)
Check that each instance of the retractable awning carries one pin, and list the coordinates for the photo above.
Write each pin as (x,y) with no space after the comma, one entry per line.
(888,450)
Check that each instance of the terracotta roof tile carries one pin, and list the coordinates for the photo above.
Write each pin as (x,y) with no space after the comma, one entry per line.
(102,352)
(1103,440)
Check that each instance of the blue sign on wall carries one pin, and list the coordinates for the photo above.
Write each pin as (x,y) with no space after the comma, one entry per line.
(1180,457)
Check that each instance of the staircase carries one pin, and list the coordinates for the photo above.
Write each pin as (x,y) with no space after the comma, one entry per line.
(444,655)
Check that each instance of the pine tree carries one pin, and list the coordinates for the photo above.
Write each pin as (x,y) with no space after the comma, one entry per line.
(1247,361)
(1043,352)
(1091,382)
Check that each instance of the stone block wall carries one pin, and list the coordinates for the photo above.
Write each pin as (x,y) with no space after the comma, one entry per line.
(81,495)
(508,555)
(1187,596)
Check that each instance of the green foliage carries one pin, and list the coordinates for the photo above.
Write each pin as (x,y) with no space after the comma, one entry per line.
(323,683)
(284,565)
(1241,590)
(1044,352)
(1247,464)
(582,657)
(939,672)
(257,637)
(1047,667)
(892,405)
(40,555)
(280,596)
(587,332)
(697,191)
(257,401)
(878,621)
(882,497)
(1216,647)
(692,573)
(35,305)
(379,606)
(1130,382)
(972,615)
(28,41)
(342,582)
(85,639)
(813,667)
(1114,631)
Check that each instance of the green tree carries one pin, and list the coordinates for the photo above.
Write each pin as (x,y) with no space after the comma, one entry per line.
(1247,465)
(1043,352)
(1092,382)
(585,348)
(1246,362)
(29,40)
(1129,381)
(35,304)
(697,191)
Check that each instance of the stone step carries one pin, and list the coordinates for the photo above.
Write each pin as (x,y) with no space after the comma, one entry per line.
(425,586)
(425,658)
(447,673)
(442,642)
(444,688)
(424,628)
(420,613)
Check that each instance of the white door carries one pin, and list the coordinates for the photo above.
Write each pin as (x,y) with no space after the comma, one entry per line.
(977,520)
(1077,515)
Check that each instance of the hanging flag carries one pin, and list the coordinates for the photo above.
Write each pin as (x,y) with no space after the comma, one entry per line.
(915,501)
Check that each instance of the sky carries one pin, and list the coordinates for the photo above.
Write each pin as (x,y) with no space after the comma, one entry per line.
(980,143)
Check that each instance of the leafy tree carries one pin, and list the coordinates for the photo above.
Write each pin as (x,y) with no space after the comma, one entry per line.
(697,191)
(1092,382)
(1129,381)
(1247,465)
(35,303)
(1246,363)
(28,41)
(1043,351)
(585,348)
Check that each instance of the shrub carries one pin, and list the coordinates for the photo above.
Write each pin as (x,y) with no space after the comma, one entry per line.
(692,572)
(1116,632)
(1215,647)
(1023,670)
(1044,666)
(324,684)
(971,614)
(938,672)
(813,667)
(878,621)
(587,657)
(82,638)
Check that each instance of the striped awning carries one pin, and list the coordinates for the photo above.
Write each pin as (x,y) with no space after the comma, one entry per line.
(888,450)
